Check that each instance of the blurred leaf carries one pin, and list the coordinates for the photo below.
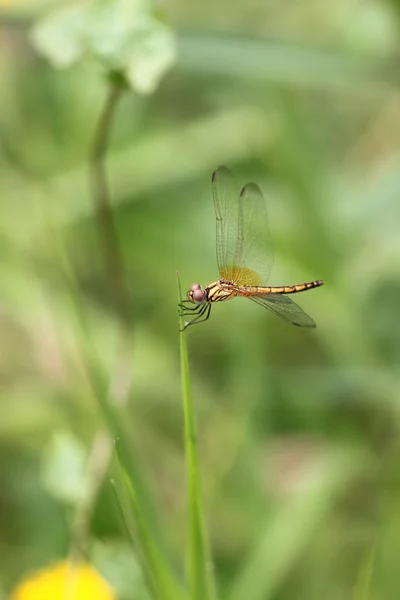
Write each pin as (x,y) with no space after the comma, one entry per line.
(114,559)
(63,468)
(272,59)
(370,26)
(60,35)
(151,53)
(287,532)
(122,35)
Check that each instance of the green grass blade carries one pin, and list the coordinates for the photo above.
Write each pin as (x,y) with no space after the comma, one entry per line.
(161,581)
(270,59)
(287,532)
(363,585)
(201,584)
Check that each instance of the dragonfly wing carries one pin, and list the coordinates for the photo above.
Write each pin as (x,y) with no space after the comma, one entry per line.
(286,308)
(244,247)
(255,255)
(226,204)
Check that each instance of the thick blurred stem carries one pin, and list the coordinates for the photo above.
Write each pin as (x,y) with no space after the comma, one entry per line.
(101,451)
(108,237)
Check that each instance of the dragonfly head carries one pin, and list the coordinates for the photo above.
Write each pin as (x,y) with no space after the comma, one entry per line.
(196,294)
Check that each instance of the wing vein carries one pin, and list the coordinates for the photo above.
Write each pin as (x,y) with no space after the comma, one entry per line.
(286,308)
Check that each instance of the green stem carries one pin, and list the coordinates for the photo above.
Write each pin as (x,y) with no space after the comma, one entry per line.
(201,582)
(109,243)
(101,451)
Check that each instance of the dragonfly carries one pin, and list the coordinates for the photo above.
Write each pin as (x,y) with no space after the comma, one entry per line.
(244,257)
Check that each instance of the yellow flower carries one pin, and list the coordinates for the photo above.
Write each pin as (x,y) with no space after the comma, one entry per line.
(64,581)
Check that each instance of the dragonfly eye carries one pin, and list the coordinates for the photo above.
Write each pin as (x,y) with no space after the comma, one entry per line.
(198,295)
(195,294)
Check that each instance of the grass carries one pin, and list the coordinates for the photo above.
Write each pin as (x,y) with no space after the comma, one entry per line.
(162,583)
(199,562)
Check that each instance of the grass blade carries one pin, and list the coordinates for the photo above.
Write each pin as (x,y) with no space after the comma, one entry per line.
(160,579)
(201,585)
(270,59)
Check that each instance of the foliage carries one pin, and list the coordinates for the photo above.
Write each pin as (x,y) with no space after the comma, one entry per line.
(297,431)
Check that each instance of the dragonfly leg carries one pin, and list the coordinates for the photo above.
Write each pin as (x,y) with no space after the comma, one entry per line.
(200,310)
(188,309)
(203,315)
(196,310)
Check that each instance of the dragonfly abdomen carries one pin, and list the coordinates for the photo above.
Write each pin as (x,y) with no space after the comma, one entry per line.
(258,290)
(292,289)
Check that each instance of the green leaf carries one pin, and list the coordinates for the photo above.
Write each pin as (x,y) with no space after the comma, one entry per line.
(151,53)
(63,468)
(113,558)
(60,35)
(122,36)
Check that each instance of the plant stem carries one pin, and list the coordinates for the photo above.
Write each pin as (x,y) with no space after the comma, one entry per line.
(109,243)
(200,576)
(101,451)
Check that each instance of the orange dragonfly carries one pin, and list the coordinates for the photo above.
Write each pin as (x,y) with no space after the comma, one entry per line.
(244,256)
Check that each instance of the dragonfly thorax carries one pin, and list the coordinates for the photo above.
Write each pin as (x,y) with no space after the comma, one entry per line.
(196,294)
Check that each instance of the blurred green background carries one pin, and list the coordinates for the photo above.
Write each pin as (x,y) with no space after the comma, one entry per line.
(298,430)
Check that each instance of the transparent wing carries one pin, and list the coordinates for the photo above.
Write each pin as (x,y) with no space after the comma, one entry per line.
(285,308)
(226,204)
(255,254)
(244,247)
